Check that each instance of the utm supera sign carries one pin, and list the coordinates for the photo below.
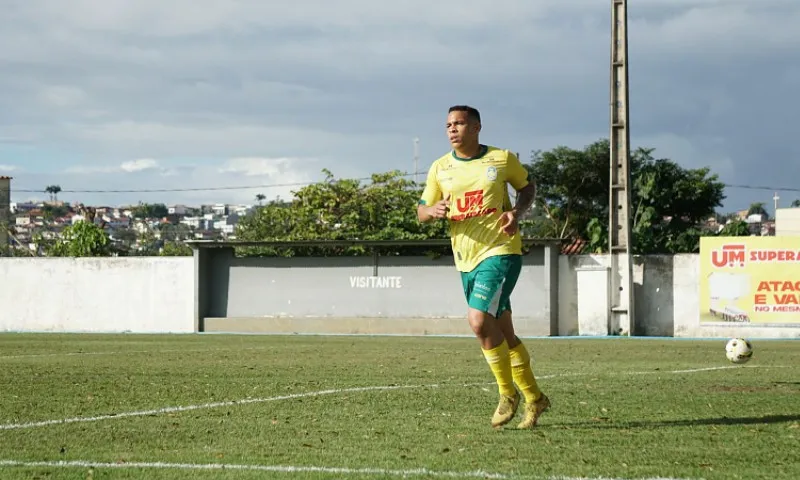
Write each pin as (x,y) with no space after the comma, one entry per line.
(737,255)
(471,205)
(753,280)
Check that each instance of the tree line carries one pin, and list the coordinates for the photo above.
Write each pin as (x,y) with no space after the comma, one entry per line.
(671,206)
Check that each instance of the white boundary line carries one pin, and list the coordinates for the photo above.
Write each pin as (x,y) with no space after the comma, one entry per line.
(264,468)
(246,401)
(294,469)
(125,352)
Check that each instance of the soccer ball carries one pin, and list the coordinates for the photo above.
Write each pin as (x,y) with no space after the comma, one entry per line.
(739,350)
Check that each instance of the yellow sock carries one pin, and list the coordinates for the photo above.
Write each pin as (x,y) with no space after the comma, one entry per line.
(523,373)
(500,363)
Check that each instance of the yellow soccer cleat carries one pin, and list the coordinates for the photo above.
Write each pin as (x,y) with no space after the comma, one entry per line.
(506,409)
(533,411)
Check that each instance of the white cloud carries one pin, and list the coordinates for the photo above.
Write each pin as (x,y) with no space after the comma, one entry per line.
(257,167)
(235,180)
(139,165)
(8,168)
(131,166)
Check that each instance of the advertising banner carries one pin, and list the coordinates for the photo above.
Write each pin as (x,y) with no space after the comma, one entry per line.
(750,280)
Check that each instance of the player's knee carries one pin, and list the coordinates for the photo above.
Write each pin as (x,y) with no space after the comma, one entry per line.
(477,322)
(480,322)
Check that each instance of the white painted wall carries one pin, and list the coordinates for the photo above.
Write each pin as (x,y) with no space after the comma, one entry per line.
(156,295)
(134,294)
(787,222)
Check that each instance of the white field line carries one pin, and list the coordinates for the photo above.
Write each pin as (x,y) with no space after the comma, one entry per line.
(263,468)
(291,469)
(247,401)
(125,352)
(691,370)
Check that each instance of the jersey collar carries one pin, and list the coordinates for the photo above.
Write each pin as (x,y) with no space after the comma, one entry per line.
(480,154)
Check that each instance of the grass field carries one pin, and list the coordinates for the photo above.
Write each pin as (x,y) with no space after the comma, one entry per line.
(389,407)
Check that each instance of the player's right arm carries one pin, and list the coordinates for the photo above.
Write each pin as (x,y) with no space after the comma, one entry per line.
(432,205)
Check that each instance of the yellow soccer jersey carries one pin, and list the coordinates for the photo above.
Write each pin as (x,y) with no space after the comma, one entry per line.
(478,196)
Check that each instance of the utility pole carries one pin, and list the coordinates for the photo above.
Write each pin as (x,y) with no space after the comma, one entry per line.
(416,161)
(621,318)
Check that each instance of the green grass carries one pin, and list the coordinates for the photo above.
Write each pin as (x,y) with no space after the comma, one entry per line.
(619,409)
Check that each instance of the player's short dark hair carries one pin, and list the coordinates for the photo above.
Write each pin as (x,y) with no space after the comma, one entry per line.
(472,112)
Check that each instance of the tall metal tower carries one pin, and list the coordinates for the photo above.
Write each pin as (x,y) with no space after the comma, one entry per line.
(621,318)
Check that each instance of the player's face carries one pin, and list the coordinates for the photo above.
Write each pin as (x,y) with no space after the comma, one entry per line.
(460,130)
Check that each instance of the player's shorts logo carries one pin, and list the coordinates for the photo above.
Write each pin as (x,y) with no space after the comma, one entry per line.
(491,173)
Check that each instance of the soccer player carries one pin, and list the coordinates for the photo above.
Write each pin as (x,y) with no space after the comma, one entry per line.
(467,186)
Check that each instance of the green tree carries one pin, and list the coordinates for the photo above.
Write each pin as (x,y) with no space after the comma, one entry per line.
(174,232)
(51,212)
(572,188)
(669,203)
(796,203)
(81,239)
(53,191)
(150,210)
(736,228)
(344,209)
(175,249)
(146,245)
(758,209)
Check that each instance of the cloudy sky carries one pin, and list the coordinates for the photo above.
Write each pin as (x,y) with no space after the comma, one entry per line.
(189,94)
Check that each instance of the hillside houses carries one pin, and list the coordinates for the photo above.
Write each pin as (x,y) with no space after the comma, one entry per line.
(131,228)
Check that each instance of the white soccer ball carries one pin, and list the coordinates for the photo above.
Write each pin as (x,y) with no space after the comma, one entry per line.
(739,350)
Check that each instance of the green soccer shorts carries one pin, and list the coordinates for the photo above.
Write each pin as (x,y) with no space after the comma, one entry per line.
(488,286)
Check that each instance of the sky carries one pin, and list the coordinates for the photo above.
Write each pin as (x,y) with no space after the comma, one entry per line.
(196,94)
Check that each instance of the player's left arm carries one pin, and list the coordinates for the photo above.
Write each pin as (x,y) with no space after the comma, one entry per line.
(518,177)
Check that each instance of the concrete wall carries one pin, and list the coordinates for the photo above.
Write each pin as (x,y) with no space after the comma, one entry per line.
(409,295)
(140,295)
(787,222)
(154,294)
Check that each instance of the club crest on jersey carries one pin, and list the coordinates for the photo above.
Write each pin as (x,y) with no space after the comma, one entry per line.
(491,173)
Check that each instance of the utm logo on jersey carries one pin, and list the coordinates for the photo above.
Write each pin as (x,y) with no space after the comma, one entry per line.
(471,200)
(471,205)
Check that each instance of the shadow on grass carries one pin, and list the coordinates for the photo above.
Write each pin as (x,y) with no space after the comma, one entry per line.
(622,424)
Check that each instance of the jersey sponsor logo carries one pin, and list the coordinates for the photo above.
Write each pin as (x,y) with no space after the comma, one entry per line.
(471,200)
(470,206)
